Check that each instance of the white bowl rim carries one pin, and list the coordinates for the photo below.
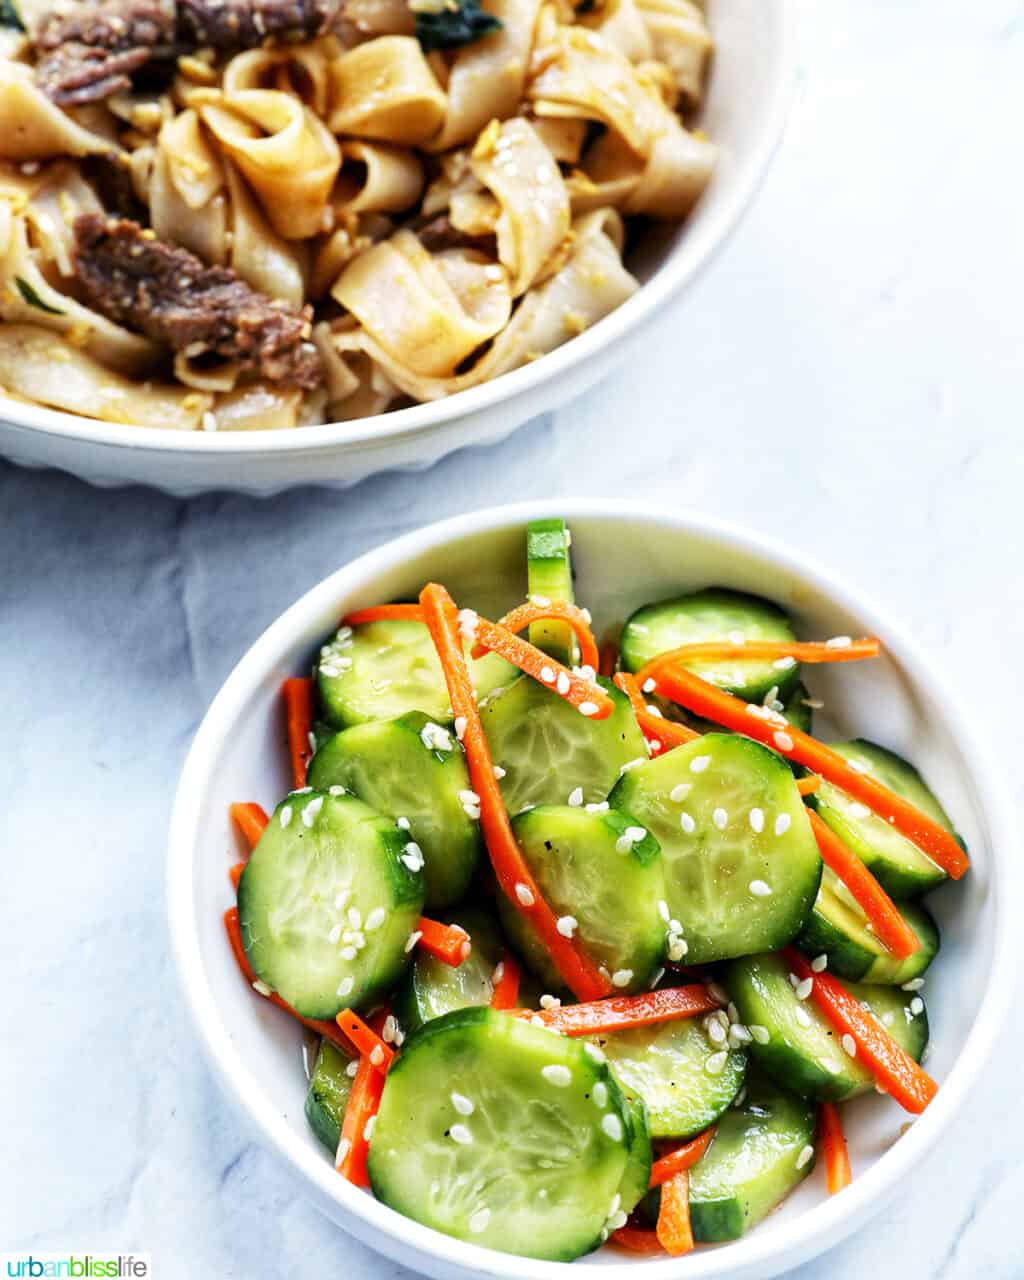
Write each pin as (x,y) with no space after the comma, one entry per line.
(755,1254)
(701,245)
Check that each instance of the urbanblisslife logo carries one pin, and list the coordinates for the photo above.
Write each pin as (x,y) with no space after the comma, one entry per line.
(77,1266)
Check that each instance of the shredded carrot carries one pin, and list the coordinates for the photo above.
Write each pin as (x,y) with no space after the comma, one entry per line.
(235,873)
(618,1013)
(384,613)
(636,1239)
(608,659)
(448,942)
(506,984)
(888,925)
(808,785)
(763,651)
(666,734)
(765,726)
(577,971)
(525,614)
(327,1029)
(587,697)
(366,1040)
(251,820)
(363,1101)
(684,1157)
(298,699)
(892,1067)
(832,1144)
(674,1231)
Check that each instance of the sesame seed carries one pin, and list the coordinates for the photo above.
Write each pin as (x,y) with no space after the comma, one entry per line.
(499,772)
(757,820)
(602,806)
(352,1069)
(557,1075)
(680,791)
(782,824)
(820,963)
(543,601)
(587,708)
(687,823)
(849,1045)
(403,823)
(387,1031)
(915,984)
(636,834)
(632,764)
(858,766)
(663,910)
(460,727)
(576,797)
(463,1105)
(760,1034)
(368,1128)
(562,684)
(838,642)
(760,889)
(677,948)
(547,675)
(805,1157)
(600,1090)
(622,977)
(377,1056)
(720,818)
(566,925)
(412,939)
(460,1134)
(916,1006)
(739,1035)
(524,895)
(261,987)
(699,763)
(309,814)
(612,1126)
(334,934)
(478,1221)
(782,740)
(375,919)
(597,1054)
(355,917)
(716,1032)
(784,664)
(344,1146)
(652,710)
(345,986)
(337,790)
(548,1001)
(717,992)
(649,685)
(804,989)
(715,1064)
(348,952)
(286,815)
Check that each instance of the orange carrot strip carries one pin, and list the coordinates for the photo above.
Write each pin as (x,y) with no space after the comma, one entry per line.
(587,697)
(576,970)
(888,925)
(363,1101)
(893,1068)
(298,699)
(448,942)
(506,986)
(674,1231)
(327,1029)
(251,820)
(765,651)
(684,1157)
(636,1240)
(618,1013)
(608,658)
(832,1142)
(765,726)
(523,615)
(666,733)
(384,613)
(235,873)
(808,785)
(366,1040)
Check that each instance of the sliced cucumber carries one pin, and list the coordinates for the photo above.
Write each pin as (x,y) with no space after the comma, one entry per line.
(797,709)
(503,1134)
(327,1096)
(760,1152)
(637,1176)
(548,749)
(686,1079)
(802,1050)
(381,670)
(432,988)
(403,770)
(603,872)
(839,929)
(713,614)
(899,866)
(327,902)
(715,806)
(549,577)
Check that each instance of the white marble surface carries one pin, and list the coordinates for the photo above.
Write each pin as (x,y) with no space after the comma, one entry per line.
(847,376)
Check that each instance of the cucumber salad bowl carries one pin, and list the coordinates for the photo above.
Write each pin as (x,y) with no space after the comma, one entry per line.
(595,885)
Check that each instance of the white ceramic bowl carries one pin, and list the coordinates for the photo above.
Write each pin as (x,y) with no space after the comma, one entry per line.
(625,555)
(748,95)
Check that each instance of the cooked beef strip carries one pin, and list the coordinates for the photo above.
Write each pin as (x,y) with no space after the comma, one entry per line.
(171,296)
(244,24)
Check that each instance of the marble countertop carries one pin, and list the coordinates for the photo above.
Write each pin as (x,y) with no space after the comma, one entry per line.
(845,377)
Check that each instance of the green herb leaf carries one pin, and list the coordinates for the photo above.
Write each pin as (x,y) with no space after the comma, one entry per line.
(33,299)
(9,15)
(453,27)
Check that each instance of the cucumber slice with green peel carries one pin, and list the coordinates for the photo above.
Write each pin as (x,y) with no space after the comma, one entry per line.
(503,1134)
(381,670)
(602,872)
(742,866)
(548,749)
(761,1151)
(899,866)
(400,768)
(839,929)
(685,1078)
(549,577)
(637,1177)
(327,1096)
(432,988)
(719,615)
(794,1042)
(327,902)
